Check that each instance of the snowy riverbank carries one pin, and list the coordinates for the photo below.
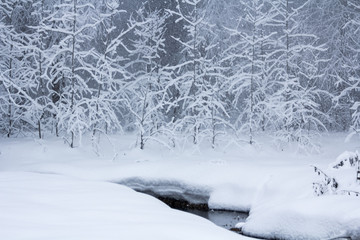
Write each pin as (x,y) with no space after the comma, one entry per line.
(276,187)
(48,206)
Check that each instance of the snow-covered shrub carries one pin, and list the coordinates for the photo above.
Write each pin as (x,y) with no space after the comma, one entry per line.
(326,185)
(347,171)
(346,159)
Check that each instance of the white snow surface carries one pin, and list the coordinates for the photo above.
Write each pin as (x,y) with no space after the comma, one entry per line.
(327,217)
(48,206)
(276,187)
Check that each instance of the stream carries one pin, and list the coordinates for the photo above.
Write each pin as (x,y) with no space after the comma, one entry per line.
(223,218)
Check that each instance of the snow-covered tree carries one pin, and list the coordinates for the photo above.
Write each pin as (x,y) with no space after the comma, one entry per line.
(39,42)
(194,67)
(7,52)
(352,86)
(341,40)
(16,66)
(190,72)
(107,70)
(248,54)
(147,91)
(74,20)
(295,63)
(198,75)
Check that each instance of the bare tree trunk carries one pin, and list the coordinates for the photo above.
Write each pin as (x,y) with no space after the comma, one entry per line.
(39,129)
(101,78)
(142,120)
(10,104)
(73,73)
(252,85)
(195,135)
(10,120)
(213,123)
(42,91)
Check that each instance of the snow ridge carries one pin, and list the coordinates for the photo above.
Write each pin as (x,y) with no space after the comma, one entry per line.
(169,188)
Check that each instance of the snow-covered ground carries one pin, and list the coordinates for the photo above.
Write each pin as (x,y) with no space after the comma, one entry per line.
(71,192)
(47,206)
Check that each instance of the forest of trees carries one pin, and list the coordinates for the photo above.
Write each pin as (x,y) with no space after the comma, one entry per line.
(191,68)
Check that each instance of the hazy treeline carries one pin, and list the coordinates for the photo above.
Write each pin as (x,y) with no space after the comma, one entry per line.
(191,68)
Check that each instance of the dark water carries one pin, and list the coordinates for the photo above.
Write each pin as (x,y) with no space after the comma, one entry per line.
(225,219)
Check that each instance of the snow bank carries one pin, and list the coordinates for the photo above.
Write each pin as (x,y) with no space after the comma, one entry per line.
(287,208)
(231,197)
(43,206)
(325,217)
(173,188)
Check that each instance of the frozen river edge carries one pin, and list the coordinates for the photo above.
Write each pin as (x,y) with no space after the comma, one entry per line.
(198,198)
(178,197)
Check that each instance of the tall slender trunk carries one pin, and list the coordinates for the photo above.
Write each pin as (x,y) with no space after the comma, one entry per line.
(60,92)
(195,135)
(97,105)
(263,74)
(72,106)
(287,40)
(101,79)
(57,128)
(142,120)
(41,83)
(287,78)
(39,129)
(10,103)
(10,120)
(213,124)
(252,84)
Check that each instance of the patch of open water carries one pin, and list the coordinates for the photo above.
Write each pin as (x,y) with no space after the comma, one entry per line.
(225,219)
